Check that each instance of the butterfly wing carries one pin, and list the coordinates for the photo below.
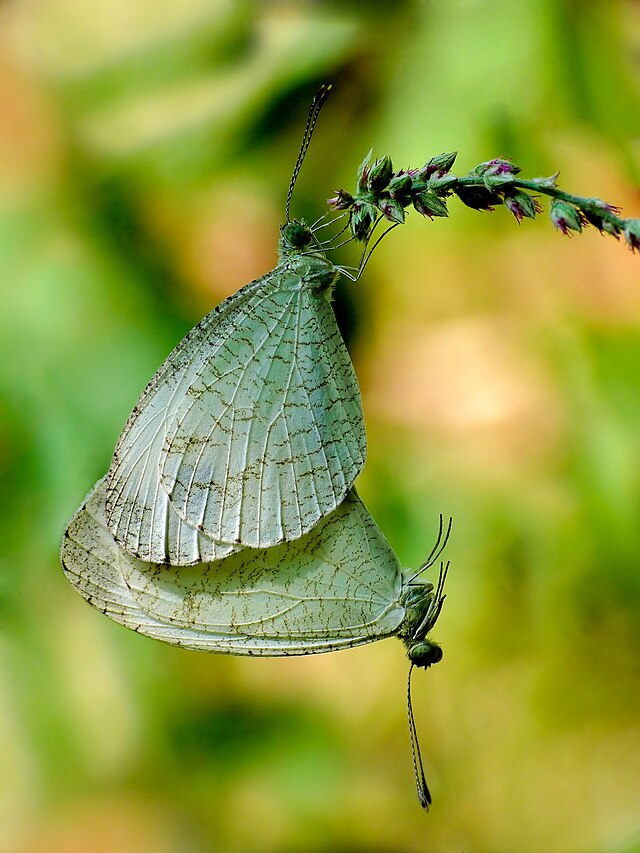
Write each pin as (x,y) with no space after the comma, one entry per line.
(138,510)
(336,587)
(270,435)
(253,426)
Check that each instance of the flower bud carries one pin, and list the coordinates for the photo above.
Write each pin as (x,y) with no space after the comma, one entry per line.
(632,234)
(566,217)
(611,228)
(598,221)
(598,216)
(497,173)
(363,216)
(342,200)
(522,205)
(400,187)
(429,204)
(545,183)
(392,209)
(442,181)
(478,198)
(363,172)
(498,182)
(604,205)
(498,166)
(380,174)
(441,163)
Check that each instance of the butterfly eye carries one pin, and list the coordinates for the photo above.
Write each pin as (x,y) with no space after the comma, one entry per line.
(425,654)
(296,235)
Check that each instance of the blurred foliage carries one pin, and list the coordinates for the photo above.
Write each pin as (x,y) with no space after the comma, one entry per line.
(144,162)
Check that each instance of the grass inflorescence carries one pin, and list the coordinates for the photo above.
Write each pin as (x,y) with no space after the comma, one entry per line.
(383,192)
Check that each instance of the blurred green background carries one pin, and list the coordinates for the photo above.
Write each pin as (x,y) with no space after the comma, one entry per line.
(145,155)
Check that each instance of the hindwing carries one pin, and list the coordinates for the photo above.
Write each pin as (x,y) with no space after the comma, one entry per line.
(338,586)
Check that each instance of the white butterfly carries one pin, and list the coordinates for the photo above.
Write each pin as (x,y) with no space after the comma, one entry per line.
(252,429)
(338,586)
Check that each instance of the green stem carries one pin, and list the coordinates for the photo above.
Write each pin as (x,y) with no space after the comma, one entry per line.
(541,186)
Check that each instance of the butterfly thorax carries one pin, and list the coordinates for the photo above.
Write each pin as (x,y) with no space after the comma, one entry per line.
(422,608)
(303,261)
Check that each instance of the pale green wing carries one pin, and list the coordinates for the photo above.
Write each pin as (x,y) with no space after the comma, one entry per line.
(253,426)
(270,436)
(336,587)
(138,509)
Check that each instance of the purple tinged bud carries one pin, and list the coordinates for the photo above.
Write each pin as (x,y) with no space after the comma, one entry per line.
(606,207)
(363,216)
(392,209)
(598,220)
(522,205)
(632,234)
(498,182)
(363,172)
(503,167)
(498,166)
(342,200)
(441,163)
(442,181)
(516,208)
(428,204)
(478,198)
(611,228)
(497,173)
(566,217)
(380,174)
(400,186)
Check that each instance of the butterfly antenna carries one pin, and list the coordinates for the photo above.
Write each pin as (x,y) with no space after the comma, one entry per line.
(314,111)
(424,794)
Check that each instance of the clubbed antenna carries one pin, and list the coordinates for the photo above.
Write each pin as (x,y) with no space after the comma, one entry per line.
(316,105)
(424,795)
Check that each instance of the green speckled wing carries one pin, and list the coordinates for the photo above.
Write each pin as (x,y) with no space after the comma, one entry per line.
(139,512)
(337,586)
(251,431)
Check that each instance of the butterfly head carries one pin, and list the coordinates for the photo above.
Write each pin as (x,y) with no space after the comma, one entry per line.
(295,237)
(423,604)
(425,653)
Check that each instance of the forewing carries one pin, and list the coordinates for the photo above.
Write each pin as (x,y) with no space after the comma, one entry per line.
(339,586)
(270,436)
(138,509)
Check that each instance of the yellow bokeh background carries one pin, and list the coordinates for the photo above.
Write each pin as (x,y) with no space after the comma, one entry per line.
(145,156)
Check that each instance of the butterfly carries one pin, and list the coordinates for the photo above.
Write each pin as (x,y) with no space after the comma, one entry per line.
(339,585)
(252,430)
